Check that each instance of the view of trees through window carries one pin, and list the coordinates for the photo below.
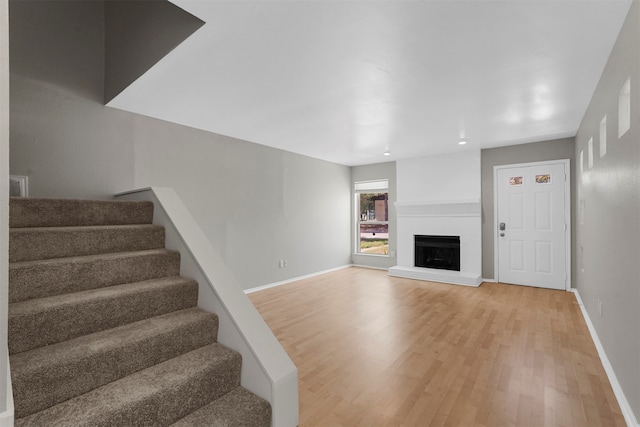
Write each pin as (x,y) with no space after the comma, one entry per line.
(373,223)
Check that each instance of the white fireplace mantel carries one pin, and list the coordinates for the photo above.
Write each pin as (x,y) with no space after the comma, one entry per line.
(434,209)
(446,218)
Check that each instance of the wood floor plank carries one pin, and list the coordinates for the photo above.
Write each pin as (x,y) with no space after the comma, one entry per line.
(374,350)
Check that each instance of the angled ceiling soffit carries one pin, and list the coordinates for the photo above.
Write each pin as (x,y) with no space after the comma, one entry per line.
(138,34)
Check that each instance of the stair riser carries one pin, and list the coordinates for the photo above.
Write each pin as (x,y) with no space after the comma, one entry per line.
(34,212)
(162,395)
(52,323)
(47,243)
(38,389)
(54,277)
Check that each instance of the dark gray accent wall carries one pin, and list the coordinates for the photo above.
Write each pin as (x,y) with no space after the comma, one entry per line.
(524,153)
(60,43)
(373,172)
(62,136)
(608,233)
(137,35)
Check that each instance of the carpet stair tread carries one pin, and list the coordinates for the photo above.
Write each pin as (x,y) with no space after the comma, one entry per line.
(44,321)
(49,375)
(43,278)
(158,395)
(238,408)
(27,244)
(43,212)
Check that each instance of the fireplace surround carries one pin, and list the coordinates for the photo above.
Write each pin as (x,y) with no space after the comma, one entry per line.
(449,218)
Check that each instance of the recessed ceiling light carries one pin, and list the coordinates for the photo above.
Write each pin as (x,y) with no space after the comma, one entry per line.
(387,153)
(462,142)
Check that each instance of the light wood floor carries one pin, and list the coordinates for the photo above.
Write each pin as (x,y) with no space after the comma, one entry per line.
(374,350)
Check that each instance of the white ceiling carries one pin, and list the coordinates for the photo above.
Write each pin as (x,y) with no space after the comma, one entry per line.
(346,80)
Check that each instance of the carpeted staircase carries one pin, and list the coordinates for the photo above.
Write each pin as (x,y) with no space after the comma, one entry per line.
(104,332)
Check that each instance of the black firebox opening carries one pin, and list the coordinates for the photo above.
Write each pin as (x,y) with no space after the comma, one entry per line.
(441,252)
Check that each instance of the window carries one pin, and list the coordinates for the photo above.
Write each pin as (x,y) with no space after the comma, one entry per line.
(603,136)
(516,180)
(543,179)
(372,210)
(624,108)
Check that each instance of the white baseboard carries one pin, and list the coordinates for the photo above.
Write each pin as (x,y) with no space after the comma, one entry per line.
(627,412)
(489,280)
(6,417)
(294,279)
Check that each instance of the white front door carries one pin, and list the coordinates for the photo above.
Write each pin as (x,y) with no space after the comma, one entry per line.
(532,224)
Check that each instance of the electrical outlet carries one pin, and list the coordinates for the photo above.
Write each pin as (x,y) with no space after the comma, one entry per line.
(599,307)
(18,186)
(281,264)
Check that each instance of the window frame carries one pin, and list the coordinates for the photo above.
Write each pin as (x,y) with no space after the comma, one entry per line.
(379,186)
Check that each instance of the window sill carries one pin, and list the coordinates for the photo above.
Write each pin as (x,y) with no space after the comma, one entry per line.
(370,255)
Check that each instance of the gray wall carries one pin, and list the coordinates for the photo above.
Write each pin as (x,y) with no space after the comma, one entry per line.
(369,173)
(608,240)
(4,196)
(523,153)
(257,205)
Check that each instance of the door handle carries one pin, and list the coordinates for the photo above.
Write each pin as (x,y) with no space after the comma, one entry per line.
(503,226)
(501,234)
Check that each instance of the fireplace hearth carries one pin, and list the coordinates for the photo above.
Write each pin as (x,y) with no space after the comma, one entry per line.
(440,252)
